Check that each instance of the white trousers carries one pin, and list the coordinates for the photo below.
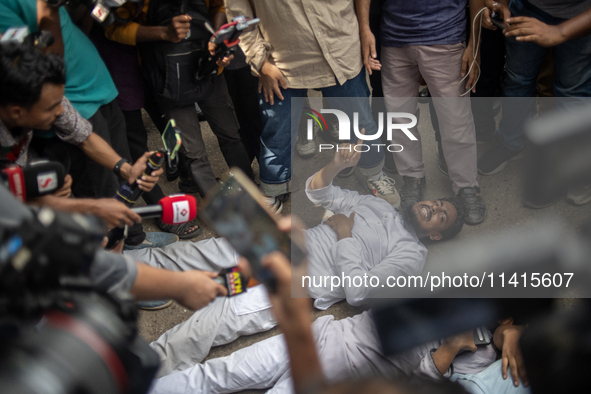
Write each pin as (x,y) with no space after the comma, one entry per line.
(347,348)
(220,322)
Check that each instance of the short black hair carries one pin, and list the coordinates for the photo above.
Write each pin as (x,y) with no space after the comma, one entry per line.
(23,72)
(456,226)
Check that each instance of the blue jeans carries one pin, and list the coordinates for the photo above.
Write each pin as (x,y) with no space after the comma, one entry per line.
(524,59)
(489,381)
(280,127)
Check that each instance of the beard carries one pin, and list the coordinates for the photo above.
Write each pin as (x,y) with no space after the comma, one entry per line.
(411,221)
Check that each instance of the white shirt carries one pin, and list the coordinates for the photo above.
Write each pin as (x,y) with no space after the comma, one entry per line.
(380,246)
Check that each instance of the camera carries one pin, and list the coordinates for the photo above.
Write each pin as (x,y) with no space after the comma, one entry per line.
(62,334)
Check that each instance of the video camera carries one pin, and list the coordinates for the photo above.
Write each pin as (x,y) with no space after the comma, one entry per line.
(61,334)
(226,40)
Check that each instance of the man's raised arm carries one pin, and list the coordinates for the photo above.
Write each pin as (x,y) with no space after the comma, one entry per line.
(346,156)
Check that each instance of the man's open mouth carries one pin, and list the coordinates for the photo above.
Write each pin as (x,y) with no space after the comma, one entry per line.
(426,212)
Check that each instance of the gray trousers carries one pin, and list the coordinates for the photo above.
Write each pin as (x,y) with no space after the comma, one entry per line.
(440,65)
(217,324)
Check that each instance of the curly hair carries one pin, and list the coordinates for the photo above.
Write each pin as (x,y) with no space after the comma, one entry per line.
(23,72)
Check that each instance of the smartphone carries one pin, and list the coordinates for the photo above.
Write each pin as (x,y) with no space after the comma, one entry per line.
(236,211)
(171,138)
(481,336)
(497,21)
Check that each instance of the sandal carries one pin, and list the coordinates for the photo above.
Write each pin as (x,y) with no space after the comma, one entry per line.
(182,230)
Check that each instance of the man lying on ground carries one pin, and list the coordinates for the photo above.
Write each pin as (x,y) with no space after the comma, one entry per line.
(313,356)
(365,237)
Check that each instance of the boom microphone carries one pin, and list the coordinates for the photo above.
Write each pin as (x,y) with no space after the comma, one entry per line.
(173,209)
(34,180)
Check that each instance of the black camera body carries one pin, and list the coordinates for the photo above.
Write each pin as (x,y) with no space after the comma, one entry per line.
(58,332)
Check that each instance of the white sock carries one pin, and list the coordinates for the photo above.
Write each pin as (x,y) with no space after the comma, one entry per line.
(377,176)
(270,199)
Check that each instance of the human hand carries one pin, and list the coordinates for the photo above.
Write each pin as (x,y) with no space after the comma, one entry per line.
(368,50)
(178,28)
(506,338)
(530,29)
(292,313)
(501,9)
(341,225)
(467,60)
(223,62)
(444,355)
(65,190)
(346,155)
(270,81)
(147,182)
(114,213)
(198,288)
(463,341)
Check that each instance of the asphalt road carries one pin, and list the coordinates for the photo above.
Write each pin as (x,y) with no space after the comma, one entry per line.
(502,193)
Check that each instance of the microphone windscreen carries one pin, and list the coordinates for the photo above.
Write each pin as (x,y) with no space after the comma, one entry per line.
(178,208)
(43,177)
(16,182)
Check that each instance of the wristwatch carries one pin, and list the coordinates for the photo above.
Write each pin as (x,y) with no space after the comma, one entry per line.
(117,168)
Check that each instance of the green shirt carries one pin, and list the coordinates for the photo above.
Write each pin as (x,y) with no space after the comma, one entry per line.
(88,82)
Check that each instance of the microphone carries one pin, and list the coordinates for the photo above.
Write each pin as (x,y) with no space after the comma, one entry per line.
(130,194)
(34,180)
(173,209)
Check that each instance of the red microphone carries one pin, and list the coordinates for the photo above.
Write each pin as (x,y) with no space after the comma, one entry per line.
(173,209)
(34,180)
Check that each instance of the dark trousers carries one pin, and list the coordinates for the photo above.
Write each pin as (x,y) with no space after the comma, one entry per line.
(137,138)
(90,179)
(219,113)
(242,86)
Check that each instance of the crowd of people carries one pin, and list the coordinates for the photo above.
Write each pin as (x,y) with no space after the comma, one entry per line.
(79,101)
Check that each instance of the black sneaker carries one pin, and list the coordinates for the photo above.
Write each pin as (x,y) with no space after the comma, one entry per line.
(442,162)
(473,205)
(172,174)
(188,185)
(539,203)
(412,191)
(495,159)
(424,95)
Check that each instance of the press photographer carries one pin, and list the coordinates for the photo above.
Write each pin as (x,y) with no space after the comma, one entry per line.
(54,277)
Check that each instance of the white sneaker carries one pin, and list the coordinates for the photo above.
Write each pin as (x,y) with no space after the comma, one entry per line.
(384,188)
(274,204)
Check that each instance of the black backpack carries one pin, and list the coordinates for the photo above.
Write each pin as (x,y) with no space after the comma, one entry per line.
(171,68)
